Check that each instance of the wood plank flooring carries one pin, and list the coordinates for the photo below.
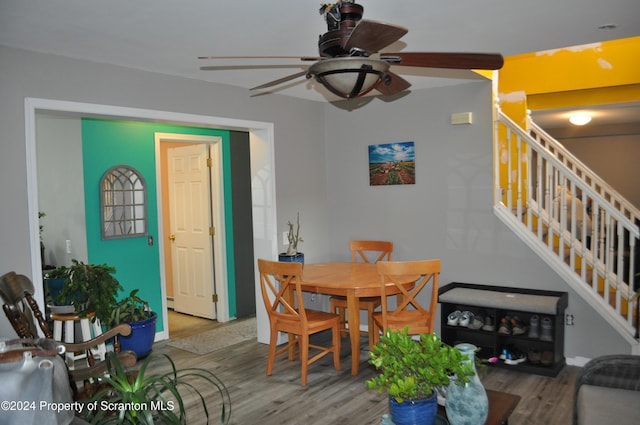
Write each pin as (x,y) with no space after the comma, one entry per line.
(336,397)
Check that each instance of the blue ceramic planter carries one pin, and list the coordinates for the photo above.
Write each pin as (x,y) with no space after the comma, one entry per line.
(141,338)
(414,412)
(295,258)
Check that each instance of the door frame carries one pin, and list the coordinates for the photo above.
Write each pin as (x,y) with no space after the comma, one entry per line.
(261,139)
(214,143)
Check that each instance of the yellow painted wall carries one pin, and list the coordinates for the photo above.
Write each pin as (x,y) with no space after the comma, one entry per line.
(594,74)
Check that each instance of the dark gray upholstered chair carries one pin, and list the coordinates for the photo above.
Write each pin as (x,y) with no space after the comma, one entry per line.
(608,391)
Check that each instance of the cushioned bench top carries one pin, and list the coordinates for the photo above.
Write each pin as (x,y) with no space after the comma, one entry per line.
(543,304)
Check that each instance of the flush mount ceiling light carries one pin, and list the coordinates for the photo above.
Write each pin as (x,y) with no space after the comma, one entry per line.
(580,118)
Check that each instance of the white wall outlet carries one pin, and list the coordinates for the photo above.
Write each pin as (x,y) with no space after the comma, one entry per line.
(285,238)
(68,246)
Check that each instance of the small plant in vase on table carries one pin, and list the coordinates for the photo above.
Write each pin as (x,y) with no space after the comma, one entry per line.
(410,372)
(292,254)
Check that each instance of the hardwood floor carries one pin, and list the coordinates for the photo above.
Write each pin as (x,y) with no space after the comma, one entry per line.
(336,397)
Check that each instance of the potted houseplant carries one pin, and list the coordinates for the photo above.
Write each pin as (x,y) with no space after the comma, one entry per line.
(84,289)
(136,312)
(292,254)
(410,372)
(142,397)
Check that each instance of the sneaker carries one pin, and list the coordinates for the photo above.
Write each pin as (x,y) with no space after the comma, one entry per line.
(547,358)
(547,329)
(505,326)
(514,357)
(518,327)
(503,354)
(477,322)
(489,323)
(466,318)
(534,356)
(454,318)
(534,327)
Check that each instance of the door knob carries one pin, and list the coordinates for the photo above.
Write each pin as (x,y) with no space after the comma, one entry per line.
(172,238)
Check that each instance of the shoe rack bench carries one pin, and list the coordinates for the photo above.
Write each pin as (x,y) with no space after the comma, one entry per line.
(498,302)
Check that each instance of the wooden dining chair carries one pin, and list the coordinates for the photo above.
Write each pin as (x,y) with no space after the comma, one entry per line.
(367,252)
(409,311)
(282,296)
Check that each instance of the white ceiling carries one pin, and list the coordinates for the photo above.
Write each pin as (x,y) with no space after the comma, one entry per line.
(167,36)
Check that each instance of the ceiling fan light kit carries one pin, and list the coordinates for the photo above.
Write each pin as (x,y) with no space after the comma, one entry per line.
(345,68)
(349,77)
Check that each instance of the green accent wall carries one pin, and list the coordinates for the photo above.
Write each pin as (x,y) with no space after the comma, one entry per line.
(106,143)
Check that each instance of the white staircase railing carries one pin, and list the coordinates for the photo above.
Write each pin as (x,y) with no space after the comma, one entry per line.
(574,220)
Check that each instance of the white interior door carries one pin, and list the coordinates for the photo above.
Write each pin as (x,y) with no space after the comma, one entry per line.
(191,235)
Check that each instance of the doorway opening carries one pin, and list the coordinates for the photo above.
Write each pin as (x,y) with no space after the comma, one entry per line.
(192,223)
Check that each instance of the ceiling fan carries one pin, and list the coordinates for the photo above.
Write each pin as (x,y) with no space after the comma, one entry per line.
(350,63)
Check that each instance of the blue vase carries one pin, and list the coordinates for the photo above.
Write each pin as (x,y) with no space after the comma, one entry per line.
(414,412)
(467,404)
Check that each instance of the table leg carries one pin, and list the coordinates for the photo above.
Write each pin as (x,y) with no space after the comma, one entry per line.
(354,330)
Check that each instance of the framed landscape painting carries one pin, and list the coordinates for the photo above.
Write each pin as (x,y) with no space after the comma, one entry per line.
(392,163)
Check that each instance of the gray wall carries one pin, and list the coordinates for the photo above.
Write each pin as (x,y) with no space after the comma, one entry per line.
(321,171)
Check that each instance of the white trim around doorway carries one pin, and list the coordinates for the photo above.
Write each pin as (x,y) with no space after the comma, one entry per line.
(261,137)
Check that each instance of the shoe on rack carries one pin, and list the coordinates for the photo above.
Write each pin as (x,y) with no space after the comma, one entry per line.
(503,354)
(534,326)
(505,326)
(514,356)
(518,327)
(466,318)
(547,358)
(546,333)
(534,356)
(515,359)
(489,323)
(454,318)
(477,322)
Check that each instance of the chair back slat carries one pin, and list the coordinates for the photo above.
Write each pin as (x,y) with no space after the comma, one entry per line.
(367,250)
(281,291)
(20,308)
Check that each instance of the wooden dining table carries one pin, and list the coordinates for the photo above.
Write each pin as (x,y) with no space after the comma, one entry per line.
(350,280)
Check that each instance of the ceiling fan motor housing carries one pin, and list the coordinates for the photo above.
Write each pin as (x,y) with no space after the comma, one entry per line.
(341,20)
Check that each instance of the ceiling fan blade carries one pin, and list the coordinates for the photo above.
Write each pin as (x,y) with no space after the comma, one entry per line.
(446,60)
(395,84)
(373,36)
(280,80)
(302,58)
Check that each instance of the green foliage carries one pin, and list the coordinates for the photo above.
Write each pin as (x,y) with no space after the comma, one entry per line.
(411,369)
(130,309)
(140,398)
(89,287)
